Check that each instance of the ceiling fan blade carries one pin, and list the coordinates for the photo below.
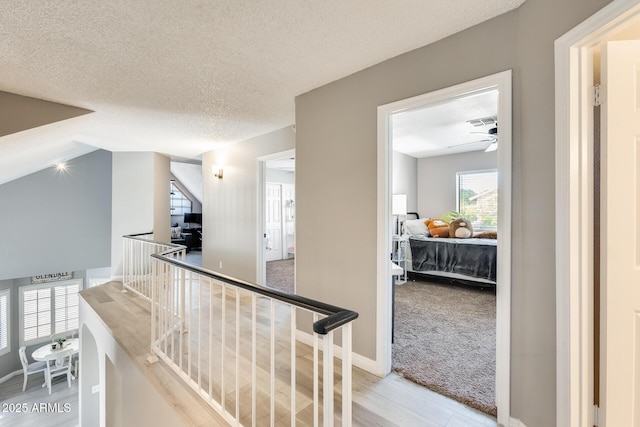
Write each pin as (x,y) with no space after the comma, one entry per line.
(469,143)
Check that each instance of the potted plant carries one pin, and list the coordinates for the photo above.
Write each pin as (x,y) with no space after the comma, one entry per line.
(58,343)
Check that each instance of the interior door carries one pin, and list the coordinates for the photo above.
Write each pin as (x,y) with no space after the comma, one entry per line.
(273,229)
(620,240)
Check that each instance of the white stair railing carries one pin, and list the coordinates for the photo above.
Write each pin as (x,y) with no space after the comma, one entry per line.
(136,260)
(235,344)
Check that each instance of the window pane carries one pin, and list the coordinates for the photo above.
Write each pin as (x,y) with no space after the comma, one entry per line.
(478,198)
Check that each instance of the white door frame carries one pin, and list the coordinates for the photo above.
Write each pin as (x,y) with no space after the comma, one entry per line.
(502,82)
(574,206)
(261,266)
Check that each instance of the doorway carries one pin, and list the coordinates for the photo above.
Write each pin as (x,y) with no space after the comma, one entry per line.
(445,164)
(574,208)
(500,82)
(277,246)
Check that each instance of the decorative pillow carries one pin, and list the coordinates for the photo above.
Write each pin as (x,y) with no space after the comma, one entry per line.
(450,216)
(437,227)
(416,227)
(460,228)
(175,232)
(486,235)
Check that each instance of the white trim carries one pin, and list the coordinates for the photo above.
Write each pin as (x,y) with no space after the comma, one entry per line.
(358,360)
(11,375)
(574,382)
(7,293)
(514,422)
(502,82)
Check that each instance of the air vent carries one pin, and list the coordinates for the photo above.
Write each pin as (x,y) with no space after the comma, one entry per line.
(483,121)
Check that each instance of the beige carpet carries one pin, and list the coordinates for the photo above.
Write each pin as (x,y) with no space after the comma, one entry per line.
(445,339)
(280,275)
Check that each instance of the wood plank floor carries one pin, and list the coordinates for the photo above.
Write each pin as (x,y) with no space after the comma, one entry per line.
(41,409)
(389,401)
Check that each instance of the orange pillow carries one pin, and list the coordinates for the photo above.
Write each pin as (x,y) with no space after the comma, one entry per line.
(437,227)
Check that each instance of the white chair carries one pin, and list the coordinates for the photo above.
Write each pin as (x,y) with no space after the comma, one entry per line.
(61,366)
(30,368)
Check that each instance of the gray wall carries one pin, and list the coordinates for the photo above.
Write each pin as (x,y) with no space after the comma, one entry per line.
(230,205)
(57,221)
(437,179)
(405,179)
(336,130)
(22,112)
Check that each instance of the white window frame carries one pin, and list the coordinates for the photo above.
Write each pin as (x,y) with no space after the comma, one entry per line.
(50,286)
(6,293)
(474,172)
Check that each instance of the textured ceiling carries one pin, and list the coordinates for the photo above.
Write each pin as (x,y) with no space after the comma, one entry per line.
(181,77)
(443,128)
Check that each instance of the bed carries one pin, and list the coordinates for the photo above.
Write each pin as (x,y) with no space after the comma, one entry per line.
(472,260)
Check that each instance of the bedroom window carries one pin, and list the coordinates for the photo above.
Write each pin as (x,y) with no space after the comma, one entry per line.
(5,339)
(180,203)
(477,198)
(47,309)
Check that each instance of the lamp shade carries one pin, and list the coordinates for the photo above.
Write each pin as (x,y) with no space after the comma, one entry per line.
(399,204)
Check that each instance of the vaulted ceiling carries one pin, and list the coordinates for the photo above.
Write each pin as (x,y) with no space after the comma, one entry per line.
(181,78)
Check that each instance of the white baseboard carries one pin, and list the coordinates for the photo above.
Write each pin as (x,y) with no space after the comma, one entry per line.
(10,375)
(516,423)
(360,361)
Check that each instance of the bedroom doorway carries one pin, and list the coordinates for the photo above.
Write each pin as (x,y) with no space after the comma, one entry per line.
(277,241)
(391,181)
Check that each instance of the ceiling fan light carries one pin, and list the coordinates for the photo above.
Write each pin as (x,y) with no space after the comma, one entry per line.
(492,147)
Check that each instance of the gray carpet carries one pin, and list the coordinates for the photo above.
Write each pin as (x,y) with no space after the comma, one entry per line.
(445,339)
(280,275)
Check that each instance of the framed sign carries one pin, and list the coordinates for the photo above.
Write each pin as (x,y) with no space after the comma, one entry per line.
(52,277)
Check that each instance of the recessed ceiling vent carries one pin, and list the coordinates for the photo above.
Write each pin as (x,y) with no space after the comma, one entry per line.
(483,121)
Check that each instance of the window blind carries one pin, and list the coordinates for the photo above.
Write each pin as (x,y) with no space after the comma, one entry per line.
(48,309)
(4,321)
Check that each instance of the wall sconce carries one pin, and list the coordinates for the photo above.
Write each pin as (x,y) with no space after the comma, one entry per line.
(216,171)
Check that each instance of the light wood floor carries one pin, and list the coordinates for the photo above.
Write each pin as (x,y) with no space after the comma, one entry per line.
(389,401)
(60,408)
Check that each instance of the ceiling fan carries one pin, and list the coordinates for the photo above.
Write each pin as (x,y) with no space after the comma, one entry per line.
(492,137)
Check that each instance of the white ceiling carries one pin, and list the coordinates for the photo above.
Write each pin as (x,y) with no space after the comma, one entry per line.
(443,128)
(182,77)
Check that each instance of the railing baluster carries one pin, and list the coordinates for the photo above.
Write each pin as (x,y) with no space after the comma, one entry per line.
(237,353)
(327,380)
(189,327)
(170,283)
(210,339)
(272,368)
(316,382)
(346,375)
(254,346)
(223,328)
(293,364)
(198,338)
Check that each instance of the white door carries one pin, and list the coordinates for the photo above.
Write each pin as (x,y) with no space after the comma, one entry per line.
(273,229)
(620,250)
